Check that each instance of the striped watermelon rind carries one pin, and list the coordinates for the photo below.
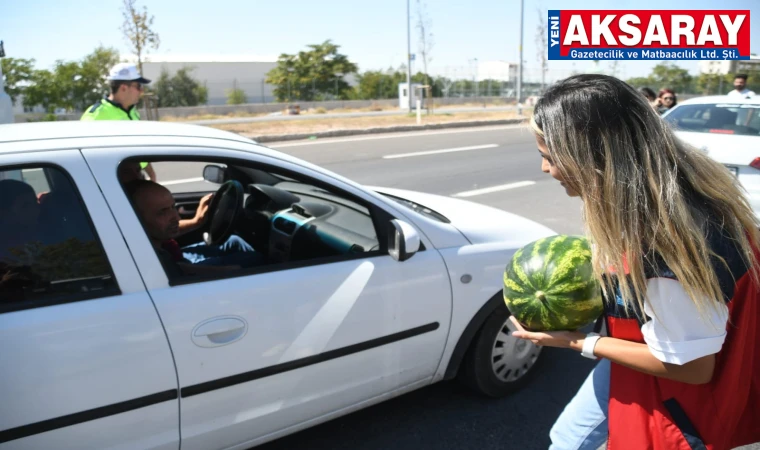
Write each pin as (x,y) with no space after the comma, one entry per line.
(549,284)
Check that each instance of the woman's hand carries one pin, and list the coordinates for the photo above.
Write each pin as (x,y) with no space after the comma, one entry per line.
(633,355)
(562,339)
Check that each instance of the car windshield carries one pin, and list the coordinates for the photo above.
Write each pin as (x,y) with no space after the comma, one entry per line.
(719,118)
(427,212)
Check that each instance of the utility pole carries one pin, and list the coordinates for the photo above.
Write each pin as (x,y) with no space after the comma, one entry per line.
(409,55)
(520,69)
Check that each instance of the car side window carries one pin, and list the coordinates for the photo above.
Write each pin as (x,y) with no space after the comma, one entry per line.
(49,251)
(258,219)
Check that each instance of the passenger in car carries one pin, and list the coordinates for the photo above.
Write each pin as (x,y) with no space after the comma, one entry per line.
(19,219)
(156,208)
(19,214)
(61,211)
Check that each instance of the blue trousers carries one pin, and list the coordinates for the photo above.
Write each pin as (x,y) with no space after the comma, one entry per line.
(583,423)
(235,251)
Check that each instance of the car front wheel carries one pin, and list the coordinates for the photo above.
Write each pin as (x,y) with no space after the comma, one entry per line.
(498,364)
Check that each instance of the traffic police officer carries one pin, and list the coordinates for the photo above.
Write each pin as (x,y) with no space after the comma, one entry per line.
(126,86)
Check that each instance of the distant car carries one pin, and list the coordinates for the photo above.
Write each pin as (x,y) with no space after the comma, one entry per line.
(362,293)
(728,130)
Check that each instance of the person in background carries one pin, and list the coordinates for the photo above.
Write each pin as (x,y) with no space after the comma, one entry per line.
(650,96)
(127,86)
(19,214)
(740,87)
(666,100)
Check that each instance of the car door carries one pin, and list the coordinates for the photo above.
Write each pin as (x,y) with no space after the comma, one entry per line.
(85,360)
(262,354)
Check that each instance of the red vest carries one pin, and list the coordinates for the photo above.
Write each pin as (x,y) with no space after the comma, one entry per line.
(652,413)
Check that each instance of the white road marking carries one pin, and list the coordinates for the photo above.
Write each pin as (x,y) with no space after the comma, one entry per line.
(338,140)
(493,189)
(183,181)
(436,152)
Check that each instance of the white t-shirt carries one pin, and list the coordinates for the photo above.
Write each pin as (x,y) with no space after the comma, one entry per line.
(677,333)
(745,93)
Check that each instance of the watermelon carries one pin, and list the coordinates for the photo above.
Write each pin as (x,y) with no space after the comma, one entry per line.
(549,284)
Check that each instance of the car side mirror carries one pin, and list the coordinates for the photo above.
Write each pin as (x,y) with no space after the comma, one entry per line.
(213,174)
(403,240)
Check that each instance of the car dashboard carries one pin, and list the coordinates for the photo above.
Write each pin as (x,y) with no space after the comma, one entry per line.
(297,221)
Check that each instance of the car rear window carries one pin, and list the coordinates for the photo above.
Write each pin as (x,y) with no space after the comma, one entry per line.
(50,252)
(718,118)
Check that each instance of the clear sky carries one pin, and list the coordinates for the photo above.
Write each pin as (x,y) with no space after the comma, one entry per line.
(371,33)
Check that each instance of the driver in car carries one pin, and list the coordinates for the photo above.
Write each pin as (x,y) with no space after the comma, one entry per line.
(156,207)
(234,251)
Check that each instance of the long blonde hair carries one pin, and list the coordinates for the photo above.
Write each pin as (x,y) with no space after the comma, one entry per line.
(645,193)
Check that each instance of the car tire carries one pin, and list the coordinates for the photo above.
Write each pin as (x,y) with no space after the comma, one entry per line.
(497,364)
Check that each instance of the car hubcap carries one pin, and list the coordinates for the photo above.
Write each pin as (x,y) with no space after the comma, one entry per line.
(512,358)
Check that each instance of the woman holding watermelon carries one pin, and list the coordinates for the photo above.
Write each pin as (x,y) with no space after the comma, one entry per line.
(675,248)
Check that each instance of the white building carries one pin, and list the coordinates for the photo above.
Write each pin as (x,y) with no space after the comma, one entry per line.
(218,73)
(403,95)
(725,67)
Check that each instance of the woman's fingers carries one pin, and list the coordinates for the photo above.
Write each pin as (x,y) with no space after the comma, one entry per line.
(516,323)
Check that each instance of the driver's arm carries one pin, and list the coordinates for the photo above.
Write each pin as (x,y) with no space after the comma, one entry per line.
(188,225)
(151,172)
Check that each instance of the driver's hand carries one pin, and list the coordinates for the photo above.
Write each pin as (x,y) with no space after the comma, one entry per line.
(200,213)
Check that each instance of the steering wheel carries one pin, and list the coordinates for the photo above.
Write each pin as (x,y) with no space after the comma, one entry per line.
(223,212)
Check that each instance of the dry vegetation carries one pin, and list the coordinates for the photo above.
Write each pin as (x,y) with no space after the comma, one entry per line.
(348,123)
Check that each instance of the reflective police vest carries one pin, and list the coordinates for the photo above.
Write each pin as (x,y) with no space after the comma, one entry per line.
(106,109)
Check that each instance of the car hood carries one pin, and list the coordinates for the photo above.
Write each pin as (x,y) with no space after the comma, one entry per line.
(478,223)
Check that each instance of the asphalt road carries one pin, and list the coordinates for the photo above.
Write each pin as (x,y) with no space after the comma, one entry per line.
(499,167)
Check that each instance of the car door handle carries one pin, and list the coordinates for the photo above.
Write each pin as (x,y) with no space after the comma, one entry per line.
(219,331)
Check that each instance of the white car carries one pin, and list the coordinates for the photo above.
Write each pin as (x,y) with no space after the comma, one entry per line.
(728,130)
(364,294)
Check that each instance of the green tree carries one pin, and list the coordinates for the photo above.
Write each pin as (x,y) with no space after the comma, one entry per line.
(67,76)
(312,74)
(377,84)
(42,91)
(94,69)
(138,30)
(670,76)
(180,89)
(236,96)
(72,85)
(710,83)
(17,72)
(640,82)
